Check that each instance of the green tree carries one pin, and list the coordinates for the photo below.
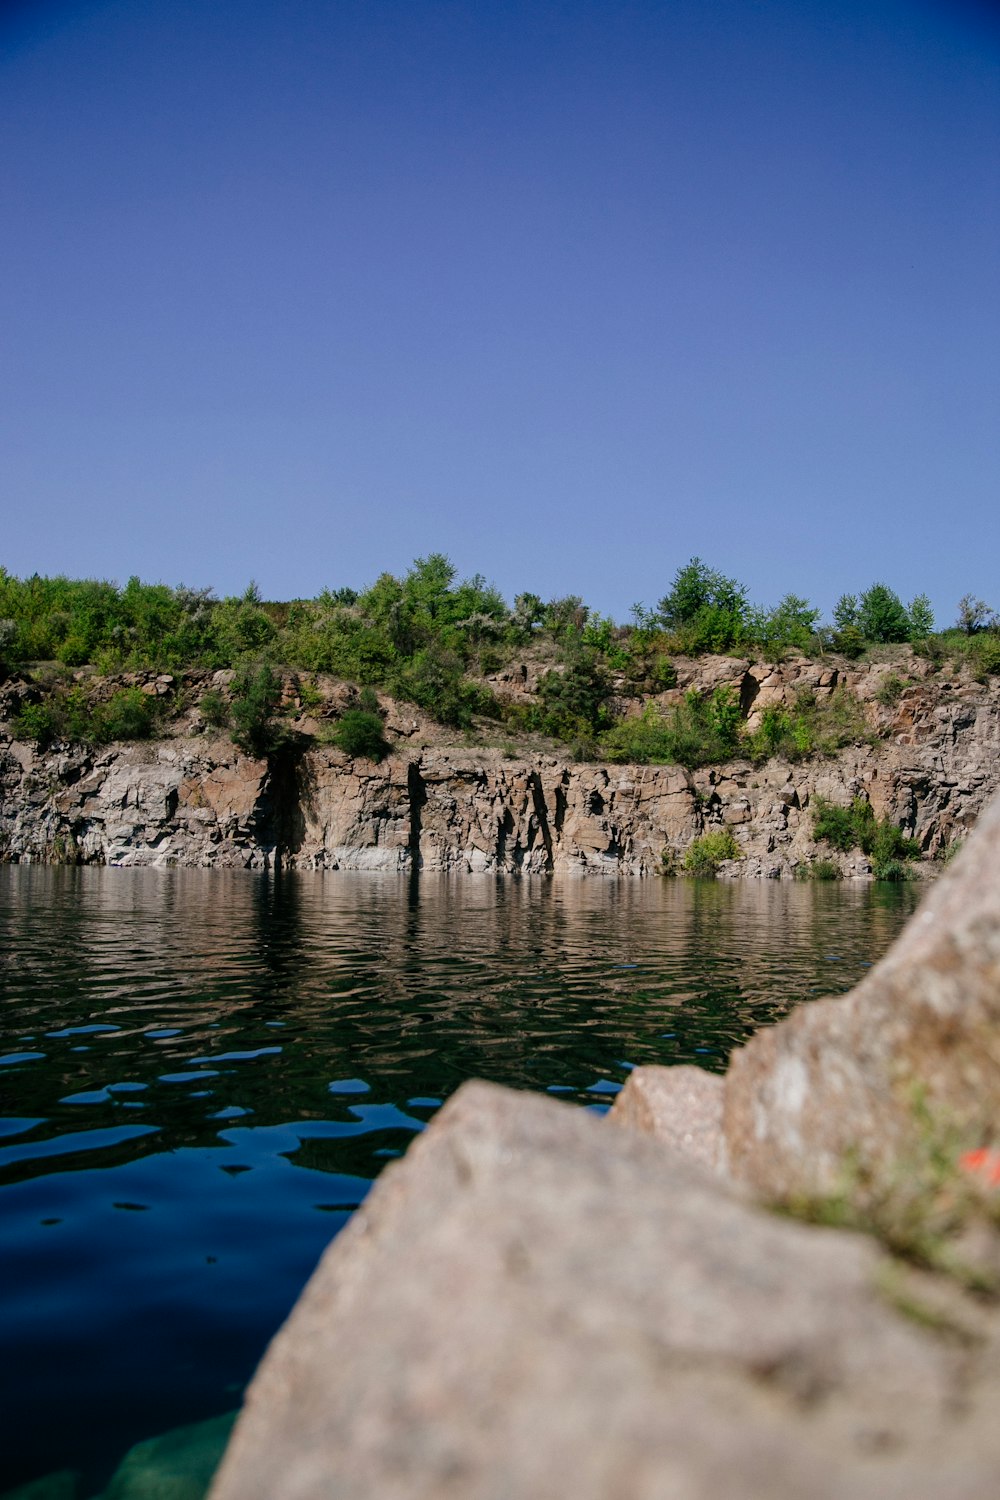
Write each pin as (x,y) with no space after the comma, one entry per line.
(882,616)
(706,610)
(792,622)
(256,700)
(974,614)
(921,618)
(845,611)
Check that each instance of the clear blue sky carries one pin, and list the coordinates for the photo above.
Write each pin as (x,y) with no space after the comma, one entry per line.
(296,290)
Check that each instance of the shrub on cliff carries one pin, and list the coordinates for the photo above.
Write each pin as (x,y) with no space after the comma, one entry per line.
(984,655)
(856,827)
(360,734)
(701,731)
(572,701)
(129,714)
(214,709)
(37,722)
(810,726)
(256,701)
(704,855)
(435,680)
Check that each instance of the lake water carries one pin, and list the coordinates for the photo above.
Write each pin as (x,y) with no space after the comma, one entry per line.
(201,1073)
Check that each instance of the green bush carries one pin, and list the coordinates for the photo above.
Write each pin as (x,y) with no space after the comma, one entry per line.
(889,849)
(890,690)
(214,709)
(892,869)
(850,642)
(792,623)
(361,735)
(705,854)
(38,722)
(856,827)
(812,726)
(256,700)
(838,825)
(984,655)
(572,700)
(701,731)
(129,714)
(773,733)
(824,869)
(434,680)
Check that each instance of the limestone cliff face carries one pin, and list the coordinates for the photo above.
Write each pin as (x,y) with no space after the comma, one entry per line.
(194,800)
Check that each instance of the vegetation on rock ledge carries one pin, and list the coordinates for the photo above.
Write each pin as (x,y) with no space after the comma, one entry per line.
(439,642)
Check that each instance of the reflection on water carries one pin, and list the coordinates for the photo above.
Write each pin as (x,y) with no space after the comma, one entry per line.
(201,1072)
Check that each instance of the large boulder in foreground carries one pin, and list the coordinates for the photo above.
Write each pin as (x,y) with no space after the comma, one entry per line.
(533,1304)
(681,1107)
(865,1081)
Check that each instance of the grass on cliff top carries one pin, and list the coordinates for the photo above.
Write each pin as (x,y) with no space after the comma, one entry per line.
(437,641)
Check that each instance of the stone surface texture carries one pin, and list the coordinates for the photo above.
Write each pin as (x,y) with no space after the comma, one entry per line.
(915,1046)
(194,800)
(679,1107)
(534,1304)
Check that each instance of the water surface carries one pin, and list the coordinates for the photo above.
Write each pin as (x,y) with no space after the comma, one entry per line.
(201,1072)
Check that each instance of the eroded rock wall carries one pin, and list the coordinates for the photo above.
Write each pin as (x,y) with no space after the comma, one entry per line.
(931,765)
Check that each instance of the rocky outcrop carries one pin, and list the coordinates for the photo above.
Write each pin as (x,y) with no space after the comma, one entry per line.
(930,765)
(172,803)
(680,1107)
(534,1303)
(865,1080)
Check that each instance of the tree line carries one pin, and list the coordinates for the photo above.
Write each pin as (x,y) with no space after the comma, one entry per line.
(433,639)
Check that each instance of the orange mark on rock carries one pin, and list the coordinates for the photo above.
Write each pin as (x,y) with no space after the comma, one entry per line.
(983,1164)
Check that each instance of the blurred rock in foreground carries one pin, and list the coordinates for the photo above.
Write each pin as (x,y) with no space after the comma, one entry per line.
(911,1054)
(533,1304)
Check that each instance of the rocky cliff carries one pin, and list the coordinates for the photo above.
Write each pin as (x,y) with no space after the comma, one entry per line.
(929,760)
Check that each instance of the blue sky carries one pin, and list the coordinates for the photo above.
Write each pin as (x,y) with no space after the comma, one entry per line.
(298,291)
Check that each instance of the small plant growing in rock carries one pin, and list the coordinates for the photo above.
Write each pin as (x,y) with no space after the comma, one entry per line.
(360,734)
(309,695)
(941,1187)
(36,721)
(890,690)
(824,869)
(129,714)
(214,709)
(704,855)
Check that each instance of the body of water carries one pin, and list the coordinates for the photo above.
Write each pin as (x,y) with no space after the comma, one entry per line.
(201,1073)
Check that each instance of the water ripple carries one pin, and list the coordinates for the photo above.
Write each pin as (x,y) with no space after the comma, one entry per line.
(144,1266)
